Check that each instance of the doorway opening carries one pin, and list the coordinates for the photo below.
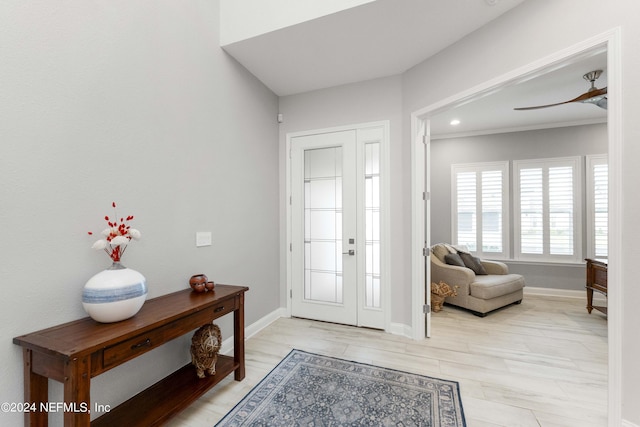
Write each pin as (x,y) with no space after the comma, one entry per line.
(420,129)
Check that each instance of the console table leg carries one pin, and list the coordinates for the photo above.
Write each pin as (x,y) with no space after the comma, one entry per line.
(589,300)
(238,339)
(77,385)
(36,391)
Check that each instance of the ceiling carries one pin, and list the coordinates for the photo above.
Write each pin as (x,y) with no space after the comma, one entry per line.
(376,39)
(387,37)
(495,112)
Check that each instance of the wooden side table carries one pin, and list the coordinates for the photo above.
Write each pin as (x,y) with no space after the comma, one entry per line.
(596,281)
(75,352)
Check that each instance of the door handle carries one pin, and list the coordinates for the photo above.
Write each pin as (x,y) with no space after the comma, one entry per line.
(351,252)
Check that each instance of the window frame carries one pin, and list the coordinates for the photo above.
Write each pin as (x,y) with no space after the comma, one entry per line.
(478,168)
(576,164)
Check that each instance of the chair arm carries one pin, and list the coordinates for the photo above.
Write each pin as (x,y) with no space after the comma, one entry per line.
(495,267)
(452,275)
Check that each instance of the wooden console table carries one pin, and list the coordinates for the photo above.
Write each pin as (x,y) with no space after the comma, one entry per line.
(75,352)
(596,281)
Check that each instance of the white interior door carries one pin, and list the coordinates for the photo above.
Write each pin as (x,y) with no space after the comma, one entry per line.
(336,234)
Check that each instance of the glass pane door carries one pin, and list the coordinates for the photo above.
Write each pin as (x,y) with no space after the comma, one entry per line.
(336,238)
(324,285)
(372,224)
(323,225)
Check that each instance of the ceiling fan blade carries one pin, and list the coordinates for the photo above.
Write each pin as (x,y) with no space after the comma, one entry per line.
(537,107)
(593,96)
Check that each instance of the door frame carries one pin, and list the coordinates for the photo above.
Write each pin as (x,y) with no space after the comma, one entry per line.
(420,225)
(611,41)
(385,222)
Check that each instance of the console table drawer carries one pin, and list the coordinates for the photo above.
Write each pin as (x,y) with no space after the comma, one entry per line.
(225,307)
(133,347)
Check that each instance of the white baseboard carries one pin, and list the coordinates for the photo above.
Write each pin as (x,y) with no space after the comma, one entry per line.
(401,329)
(626,423)
(260,324)
(254,328)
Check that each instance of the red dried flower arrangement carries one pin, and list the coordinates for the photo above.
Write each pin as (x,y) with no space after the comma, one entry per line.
(117,236)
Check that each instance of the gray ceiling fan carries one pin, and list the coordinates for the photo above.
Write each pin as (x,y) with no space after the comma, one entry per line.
(592,96)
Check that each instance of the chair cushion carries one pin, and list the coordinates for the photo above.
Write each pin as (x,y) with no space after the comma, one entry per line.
(473,263)
(496,285)
(454,259)
(440,251)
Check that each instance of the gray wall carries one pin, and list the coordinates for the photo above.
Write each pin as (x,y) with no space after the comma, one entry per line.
(132,102)
(536,144)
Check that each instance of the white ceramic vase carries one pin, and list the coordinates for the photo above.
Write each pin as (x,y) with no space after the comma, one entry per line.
(114,294)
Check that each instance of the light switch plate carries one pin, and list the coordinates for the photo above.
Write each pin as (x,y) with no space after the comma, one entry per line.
(203,238)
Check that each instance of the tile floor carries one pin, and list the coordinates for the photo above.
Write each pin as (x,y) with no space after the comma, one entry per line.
(542,363)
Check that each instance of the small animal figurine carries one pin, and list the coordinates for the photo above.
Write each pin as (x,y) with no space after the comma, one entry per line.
(205,345)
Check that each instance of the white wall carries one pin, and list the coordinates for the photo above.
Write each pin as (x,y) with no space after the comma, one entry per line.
(536,144)
(521,37)
(132,102)
(368,101)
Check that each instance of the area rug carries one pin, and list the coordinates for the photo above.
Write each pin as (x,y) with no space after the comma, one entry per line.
(307,389)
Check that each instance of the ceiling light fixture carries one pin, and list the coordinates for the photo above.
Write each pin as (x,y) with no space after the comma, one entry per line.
(454,122)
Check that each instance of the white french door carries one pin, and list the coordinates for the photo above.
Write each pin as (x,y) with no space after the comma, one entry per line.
(336,239)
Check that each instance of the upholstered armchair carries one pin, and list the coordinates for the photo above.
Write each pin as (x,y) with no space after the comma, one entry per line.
(482,286)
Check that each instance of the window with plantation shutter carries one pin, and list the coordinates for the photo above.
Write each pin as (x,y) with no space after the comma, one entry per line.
(547,200)
(531,208)
(597,206)
(480,207)
(466,209)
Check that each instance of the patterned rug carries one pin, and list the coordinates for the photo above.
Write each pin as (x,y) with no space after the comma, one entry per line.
(307,389)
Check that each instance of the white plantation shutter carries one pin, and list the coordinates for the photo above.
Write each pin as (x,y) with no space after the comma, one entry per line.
(466,209)
(480,207)
(547,208)
(561,214)
(492,207)
(531,211)
(597,206)
(601,205)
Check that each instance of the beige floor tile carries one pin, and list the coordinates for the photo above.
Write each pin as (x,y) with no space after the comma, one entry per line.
(542,363)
